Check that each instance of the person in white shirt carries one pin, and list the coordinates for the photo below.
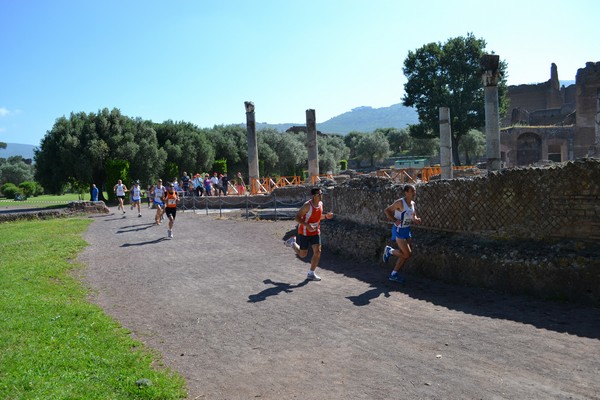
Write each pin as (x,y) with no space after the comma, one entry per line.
(136,197)
(158,194)
(120,191)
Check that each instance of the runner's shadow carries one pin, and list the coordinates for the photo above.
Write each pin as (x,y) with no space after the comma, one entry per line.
(365,298)
(114,219)
(571,318)
(278,288)
(144,243)
(141,228)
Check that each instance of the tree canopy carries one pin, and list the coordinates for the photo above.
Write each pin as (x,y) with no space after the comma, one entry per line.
(449,75)
(91,148)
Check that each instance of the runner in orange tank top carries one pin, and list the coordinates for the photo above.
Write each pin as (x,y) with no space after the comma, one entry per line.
(170,199)
(309,231)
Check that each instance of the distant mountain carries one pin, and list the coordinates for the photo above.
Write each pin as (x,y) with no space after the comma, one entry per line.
(367,119)
(362,119)
(16,149)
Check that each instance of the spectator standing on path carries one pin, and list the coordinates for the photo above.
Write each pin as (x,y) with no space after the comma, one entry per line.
(198,184)
(158,193)
(120,191)
(309,231)
(170,199)
(214,181)
(136,197)
(240,185)
(185,183)
(225,183)
(149,192)
(207,185)
(404,214)
(94,192)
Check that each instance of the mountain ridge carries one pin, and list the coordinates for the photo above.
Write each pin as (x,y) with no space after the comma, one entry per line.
(17,149)
(361,119)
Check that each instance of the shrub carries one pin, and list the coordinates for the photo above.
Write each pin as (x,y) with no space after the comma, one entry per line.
(220,166)
(10,190)
(343,165)
(28,188)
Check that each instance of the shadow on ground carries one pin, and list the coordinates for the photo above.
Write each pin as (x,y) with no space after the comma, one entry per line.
(571,318)
(276,289)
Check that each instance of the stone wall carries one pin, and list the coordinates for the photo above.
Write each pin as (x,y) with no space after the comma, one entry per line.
(73,208)
(529,230)
(588,84)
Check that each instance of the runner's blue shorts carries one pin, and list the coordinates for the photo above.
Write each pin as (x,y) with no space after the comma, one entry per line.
(401,233)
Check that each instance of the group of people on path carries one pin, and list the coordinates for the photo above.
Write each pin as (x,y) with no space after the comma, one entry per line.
(120,189)
(206,185)
(402,212)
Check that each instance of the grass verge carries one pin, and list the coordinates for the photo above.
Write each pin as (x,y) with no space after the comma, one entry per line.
(54,344)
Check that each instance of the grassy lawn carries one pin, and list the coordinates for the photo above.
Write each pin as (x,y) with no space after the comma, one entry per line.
(44,201)
(54,344)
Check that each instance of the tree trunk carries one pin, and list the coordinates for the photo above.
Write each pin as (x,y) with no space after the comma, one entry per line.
(455,155)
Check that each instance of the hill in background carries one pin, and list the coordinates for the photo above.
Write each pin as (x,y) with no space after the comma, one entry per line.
(16,149)
(362,119)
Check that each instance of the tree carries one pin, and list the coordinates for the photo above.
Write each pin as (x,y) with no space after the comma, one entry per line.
(15,170)
(373,147)
(398,139)
(292,153)
(332,150)
(424,147)
(449,75)
(268,140)
(472,145)
(2,145)
(351,140)
(187,147)
(230,143)
(80,146)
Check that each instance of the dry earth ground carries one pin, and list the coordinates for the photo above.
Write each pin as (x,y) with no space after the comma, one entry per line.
(227,306)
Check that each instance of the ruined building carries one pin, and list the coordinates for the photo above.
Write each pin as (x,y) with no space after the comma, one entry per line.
(548,122)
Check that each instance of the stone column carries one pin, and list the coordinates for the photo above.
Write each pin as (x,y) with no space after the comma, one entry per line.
(252,146)
(445,143)
(491,76)
(313,149)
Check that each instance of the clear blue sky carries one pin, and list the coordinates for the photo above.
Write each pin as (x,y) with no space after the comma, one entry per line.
(198,61)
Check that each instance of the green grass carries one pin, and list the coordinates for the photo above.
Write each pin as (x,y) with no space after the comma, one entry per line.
(44,201)
(54,344)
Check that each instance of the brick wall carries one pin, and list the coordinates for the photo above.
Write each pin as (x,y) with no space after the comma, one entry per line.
(561,201)
(528,230)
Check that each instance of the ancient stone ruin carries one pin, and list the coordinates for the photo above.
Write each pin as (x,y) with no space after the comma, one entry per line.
(548,122)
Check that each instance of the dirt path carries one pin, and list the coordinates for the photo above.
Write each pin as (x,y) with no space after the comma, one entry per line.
(226,304)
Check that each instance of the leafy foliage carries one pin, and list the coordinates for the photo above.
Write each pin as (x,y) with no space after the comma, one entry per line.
(449,75)
(29,188)
(106,146)
(15,169)
(373,148)
(9,190)
(472,146)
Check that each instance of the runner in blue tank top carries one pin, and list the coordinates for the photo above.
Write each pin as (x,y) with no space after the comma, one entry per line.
(403,213)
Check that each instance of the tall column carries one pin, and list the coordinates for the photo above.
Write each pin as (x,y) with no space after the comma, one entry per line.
(491,76)
(313,149)
(252,146)
(445,143)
